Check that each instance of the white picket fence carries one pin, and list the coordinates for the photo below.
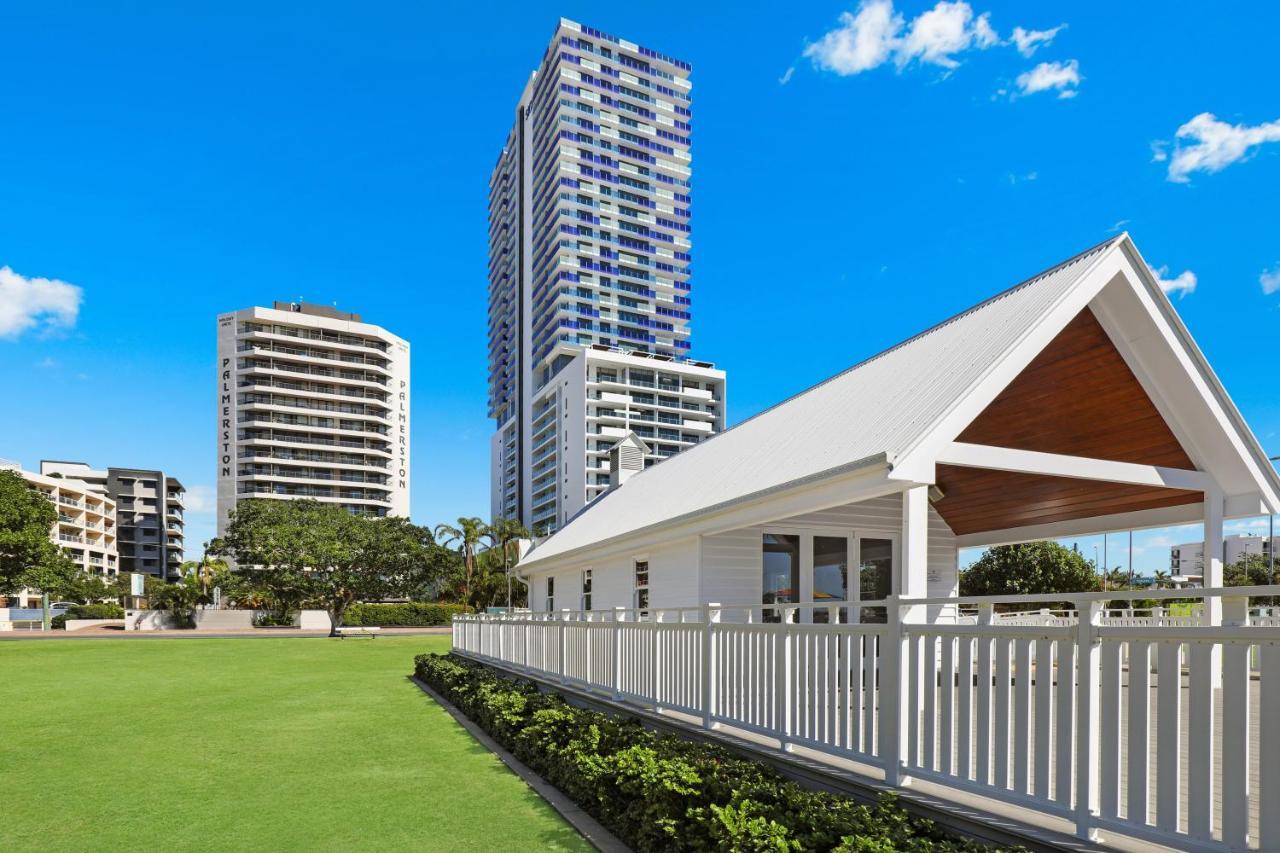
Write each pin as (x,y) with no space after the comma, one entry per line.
(1048,713)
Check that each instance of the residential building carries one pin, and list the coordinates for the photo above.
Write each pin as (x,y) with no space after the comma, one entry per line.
(589,275)
(149,514)
(985,429)
(86,525)
(1186,561)
(311,402)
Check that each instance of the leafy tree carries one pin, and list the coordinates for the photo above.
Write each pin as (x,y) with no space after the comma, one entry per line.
(180,598)
(467,535)
(1033,568)
(304,550)
(268,541)
(505,535)
(28,557)
(1251,570)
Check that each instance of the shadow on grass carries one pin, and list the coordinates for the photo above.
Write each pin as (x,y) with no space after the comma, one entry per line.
(563,838)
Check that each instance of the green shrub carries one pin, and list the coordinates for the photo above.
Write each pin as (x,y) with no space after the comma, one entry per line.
(658,792)
(267,619)
(408,614)
(110,610)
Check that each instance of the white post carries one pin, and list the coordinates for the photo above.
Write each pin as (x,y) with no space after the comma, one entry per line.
(912,583)
(560,648)
(712,616)
(1211,609)
(1088,716)
(655,655)
(1213,504)
(616,677)
(784,676)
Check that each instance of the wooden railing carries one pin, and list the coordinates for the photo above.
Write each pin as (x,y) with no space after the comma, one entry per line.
(1048,713)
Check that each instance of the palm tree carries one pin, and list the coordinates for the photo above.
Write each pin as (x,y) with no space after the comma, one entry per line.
(504,533)
(1161,578)
(467,534)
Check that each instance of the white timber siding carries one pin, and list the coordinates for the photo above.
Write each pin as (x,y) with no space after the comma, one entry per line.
(732,562)
(673,580)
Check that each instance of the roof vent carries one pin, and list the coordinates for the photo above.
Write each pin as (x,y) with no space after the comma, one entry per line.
(626,458)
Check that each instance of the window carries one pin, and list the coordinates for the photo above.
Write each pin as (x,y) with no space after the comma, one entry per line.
(830,572)
(875,575)
(642,584)
(586,589)
(781,572)
(551,595)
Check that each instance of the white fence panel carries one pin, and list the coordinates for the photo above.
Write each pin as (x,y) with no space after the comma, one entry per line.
(1156,726)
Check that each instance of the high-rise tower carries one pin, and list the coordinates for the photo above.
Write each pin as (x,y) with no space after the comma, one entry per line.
(589,277)
(312,402)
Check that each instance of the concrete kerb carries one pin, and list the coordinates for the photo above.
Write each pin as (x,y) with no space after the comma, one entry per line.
(587,826)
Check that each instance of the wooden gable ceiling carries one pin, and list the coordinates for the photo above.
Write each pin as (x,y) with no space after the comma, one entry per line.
(1078,397)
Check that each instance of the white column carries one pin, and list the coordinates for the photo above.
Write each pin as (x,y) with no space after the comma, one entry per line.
(1213,504)
(913,577)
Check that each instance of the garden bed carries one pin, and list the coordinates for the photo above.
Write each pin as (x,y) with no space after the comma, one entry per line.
(659,792)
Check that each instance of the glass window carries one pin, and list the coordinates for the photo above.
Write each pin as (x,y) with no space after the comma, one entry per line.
(875,575)
(781,581)
(830,572)
(551,595)
(642,584)
(586,589)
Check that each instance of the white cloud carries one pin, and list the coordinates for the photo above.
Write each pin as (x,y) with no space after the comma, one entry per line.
(861,42)
(1215,145)
(1270,280)
(1063,77)
(946,29)
(1028,41)
(786,76)
(1182,284)
(1019,179)
(200,500)
(1120,224)
(26,303)
(876,34)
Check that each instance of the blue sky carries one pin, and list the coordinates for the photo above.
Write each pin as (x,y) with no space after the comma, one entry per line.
(860,172)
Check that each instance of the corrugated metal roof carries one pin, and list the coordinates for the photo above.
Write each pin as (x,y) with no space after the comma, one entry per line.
(876,409)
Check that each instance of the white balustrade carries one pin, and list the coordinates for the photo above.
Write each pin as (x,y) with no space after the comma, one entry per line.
(1114,722)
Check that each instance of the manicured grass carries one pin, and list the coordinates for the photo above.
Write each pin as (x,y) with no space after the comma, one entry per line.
(281,744)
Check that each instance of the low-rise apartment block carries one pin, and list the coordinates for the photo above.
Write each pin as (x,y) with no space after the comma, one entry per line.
(86,525)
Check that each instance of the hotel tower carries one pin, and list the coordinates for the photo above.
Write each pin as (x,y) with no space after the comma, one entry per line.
(589,277)
(312,403)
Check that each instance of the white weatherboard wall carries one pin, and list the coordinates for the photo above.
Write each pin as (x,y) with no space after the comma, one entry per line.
(732,563)
(726,568)
(673,580)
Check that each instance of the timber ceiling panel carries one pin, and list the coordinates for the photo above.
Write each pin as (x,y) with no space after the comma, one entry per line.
(1078,397)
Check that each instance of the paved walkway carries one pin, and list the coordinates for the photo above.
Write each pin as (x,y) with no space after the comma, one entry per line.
(235,634)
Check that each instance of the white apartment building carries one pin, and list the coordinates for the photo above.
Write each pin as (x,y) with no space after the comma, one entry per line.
(150,528)
(599,396)
(86,525)
(1186,561)
(312,402)
(589,264)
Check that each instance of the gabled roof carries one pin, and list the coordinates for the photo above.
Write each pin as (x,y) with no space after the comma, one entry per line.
(874,412)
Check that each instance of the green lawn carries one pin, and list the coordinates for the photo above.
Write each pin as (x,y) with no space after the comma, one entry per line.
(281,744)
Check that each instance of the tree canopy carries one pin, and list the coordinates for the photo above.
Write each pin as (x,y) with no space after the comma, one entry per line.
(28,557)
(1032,568)
(303,551)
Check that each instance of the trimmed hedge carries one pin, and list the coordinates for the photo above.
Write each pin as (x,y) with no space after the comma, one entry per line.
(110,610)
(659,792)
(409,614)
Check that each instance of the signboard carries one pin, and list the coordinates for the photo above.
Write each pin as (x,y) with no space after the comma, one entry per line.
(137,583)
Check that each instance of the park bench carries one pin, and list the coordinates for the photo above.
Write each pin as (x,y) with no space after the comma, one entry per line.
(358,631)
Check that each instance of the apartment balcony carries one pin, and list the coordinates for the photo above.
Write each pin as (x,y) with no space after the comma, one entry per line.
(66,501)
(272,367)
(322,441)
(698,426)
(345,343)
